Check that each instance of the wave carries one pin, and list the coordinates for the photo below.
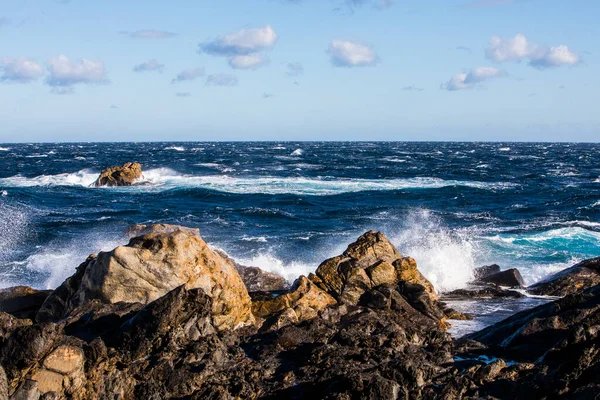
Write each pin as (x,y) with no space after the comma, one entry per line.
(541,254)
(48,267)
(4,148)
(297,152)
(84,178)
(165,178)
(176,148)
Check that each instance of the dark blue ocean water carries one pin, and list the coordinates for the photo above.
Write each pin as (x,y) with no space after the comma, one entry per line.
(287,206)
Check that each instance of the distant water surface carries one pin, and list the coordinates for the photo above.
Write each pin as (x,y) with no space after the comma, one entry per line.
(286,206)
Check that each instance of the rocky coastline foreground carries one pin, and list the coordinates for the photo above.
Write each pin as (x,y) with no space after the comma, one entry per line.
(167,317)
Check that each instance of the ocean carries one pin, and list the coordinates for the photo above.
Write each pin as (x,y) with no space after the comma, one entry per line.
(287,206)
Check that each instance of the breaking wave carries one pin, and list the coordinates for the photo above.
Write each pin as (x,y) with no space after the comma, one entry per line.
(165,178)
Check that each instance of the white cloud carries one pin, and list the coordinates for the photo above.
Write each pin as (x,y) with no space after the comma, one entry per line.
(19,70)
(344,53)
(183,94)
(295,69)
(3,21)
(188,75)
(470,79)
(520,49)
(243,48)
(244,42)
(150,65)
(149,34)
(221,80)
(249,61)
(64,72)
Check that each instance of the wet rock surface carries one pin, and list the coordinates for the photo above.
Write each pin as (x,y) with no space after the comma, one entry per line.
(366,326)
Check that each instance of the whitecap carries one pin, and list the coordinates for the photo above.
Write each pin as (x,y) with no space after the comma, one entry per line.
(83,177)
(176,148)
(297,152)
(504,149)
(4,148)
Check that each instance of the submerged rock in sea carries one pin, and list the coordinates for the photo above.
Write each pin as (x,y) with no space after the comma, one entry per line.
(579,277)
(125,175)
(149,267)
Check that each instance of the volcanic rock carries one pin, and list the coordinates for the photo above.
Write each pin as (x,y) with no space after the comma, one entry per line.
(511,278)
(582,276)
(486,270)
(125,175)
(529,334)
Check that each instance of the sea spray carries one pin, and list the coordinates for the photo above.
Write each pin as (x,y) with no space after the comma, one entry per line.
(446,257)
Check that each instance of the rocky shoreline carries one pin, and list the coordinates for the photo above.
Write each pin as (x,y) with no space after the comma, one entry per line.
(167,317)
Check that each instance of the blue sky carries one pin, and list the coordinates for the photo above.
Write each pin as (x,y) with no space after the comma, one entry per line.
(133,70)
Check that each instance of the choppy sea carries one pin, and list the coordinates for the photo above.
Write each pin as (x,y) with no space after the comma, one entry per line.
(285,207)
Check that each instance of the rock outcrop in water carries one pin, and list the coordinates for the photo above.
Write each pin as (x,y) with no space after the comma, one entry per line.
(125,175)
(367,325)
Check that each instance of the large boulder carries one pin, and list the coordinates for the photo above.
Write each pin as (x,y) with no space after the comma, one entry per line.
(582,276)
(369,262)
(125,175)
(149,267)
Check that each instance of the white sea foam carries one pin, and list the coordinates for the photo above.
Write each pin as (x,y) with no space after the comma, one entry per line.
(176,148)
(297,152)
(504,149)
(165,178)
(596,204)
(4,148)
(270,263)
(57,261)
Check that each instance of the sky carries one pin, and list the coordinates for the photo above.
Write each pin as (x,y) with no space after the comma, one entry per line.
(156,70)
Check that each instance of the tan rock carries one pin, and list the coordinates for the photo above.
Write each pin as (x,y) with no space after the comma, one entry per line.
(149,267)
(48,381)
(303,302)
(65,360)
(380,263)
(382,273)
(125,175)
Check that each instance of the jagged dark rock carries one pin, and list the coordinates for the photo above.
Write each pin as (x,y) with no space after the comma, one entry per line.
(582,276)
(333,337)
(510,278)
